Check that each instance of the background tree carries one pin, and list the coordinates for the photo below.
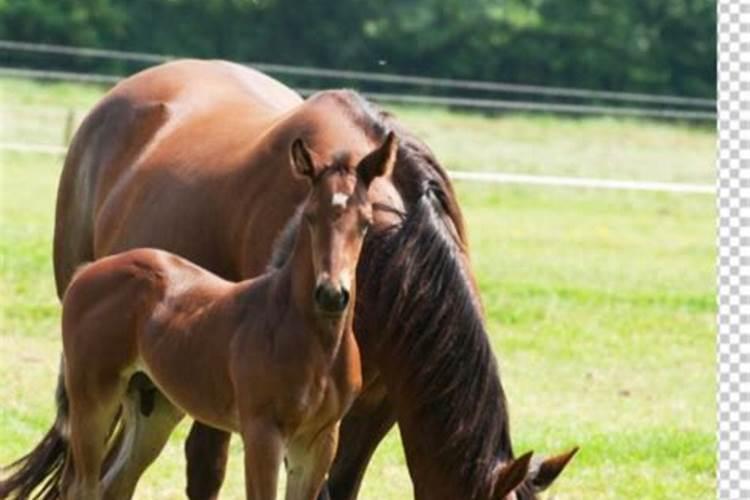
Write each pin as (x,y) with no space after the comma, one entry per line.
(639,45)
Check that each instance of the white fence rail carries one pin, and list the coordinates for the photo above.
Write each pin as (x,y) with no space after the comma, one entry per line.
(692,109)
(481,177)
(581,182)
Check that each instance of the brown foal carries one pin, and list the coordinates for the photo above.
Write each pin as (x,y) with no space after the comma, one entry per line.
(273,358)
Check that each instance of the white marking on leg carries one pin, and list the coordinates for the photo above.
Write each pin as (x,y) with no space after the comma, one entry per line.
(130,429)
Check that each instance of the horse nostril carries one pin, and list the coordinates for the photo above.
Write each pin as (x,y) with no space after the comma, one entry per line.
(325,297)
(344,297)
(319,295)
(331,299)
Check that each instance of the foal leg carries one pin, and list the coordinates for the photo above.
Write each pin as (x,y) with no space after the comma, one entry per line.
(94,402)
(148,420)
(206,451)
(264,449)
(309,458)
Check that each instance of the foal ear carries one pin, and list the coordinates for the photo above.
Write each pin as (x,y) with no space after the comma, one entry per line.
(548,469)
(302,159)
(379,162)
(511,476)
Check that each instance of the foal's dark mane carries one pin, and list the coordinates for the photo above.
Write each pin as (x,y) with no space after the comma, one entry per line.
(413,278)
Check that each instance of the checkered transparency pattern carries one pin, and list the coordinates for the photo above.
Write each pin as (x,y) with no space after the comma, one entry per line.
(734,248)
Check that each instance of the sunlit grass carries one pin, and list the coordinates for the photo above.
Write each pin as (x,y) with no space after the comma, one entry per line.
(601,147)
(600,305)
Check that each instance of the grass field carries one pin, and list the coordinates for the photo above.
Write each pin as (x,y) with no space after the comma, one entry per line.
(600,305)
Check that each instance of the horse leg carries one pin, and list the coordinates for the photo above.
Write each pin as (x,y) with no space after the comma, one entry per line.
(361,432)
(94,400)
(207,451)
(309,459)
(148,420)
(264,449)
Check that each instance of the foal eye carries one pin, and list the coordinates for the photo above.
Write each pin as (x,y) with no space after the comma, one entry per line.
(364,226)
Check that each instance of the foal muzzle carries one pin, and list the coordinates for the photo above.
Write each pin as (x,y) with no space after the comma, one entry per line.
(331,299)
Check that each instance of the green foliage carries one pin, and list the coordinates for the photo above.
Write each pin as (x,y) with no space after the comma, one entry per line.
(639,45)
(77,22)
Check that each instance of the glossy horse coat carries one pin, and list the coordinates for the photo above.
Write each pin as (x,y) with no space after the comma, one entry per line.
(192,157)
(273,358)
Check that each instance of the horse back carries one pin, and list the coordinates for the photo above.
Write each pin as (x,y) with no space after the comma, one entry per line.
(142,169)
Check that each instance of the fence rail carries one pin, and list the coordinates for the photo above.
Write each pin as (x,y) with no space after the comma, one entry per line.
(459,102)
(388,78)
(481,177)
(691,109)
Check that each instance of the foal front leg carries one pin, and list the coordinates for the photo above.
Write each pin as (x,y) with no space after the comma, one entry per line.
(310,457)
(264,451)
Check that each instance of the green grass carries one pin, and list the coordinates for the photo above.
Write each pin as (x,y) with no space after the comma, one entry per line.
(600,305)
(587,147)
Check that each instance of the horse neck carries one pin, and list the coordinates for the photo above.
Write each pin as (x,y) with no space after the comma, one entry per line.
(440,474)
(434,355)
(298,275)
(261,195)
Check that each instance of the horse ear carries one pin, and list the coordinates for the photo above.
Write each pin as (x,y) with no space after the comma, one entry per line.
(302,162)
(379,162)
(511,476)
(549,468)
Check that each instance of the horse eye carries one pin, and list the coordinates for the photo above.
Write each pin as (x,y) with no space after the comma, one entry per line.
(364,226)
(309,217)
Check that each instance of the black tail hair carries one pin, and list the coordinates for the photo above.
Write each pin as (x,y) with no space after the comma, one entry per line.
(38,474)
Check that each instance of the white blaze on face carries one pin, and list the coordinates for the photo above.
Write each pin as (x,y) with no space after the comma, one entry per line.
(339,200)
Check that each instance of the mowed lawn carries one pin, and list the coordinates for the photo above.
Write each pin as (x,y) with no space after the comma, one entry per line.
(600,305)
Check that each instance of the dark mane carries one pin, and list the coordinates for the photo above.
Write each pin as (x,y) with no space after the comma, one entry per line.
(416,165)
(415,278)
(364,115)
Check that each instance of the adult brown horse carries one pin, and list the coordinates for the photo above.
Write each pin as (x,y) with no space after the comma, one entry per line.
(192,157)
(281,365)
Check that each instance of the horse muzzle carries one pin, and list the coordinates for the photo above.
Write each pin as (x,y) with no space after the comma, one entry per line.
(331,299)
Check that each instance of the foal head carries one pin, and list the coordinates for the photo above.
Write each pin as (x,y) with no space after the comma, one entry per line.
(338,213)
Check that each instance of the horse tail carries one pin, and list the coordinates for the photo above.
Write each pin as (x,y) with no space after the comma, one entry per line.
(38,474)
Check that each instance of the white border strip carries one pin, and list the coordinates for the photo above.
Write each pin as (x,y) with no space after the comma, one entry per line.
(733,258)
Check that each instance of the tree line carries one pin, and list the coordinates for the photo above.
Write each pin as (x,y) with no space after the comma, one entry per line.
(654,46)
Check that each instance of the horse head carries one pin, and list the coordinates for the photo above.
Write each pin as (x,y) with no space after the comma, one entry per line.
(338,213)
